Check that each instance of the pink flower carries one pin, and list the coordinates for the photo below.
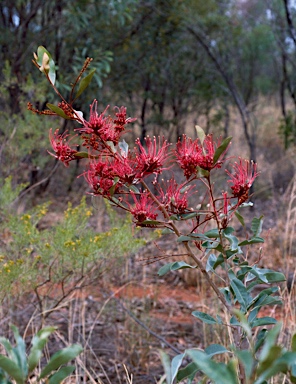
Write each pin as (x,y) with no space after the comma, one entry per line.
(63,151)
(144,208)
(152,159)
(242,179)
(175,197)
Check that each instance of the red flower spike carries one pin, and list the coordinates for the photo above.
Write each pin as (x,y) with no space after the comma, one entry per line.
(242,179)
(174,197)
(121,120)
(152,159)
(144,208)
(206,160)
(96,122)
(62,149)
(188,155)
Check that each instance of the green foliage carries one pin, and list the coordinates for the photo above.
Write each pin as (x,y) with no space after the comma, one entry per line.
(71,247)
(19,367)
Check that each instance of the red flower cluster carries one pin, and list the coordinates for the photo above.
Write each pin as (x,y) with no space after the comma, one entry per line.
(242,179)
(191,155)
(114,170)
(62,149)
(174,197)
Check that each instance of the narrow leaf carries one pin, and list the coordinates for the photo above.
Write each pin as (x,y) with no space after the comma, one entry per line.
(218,372)
(166,363)
(58,111)
(190,370)
(12,369)
(241,294)
(176,364)
(263,321)
(215,349)
(60,358)
(200,133)
(212,233)
(256,226)
(246,358)
(208,319)
(253,240)
(240,218)
(84,83)
(222,148)
(38,343)
(62,373)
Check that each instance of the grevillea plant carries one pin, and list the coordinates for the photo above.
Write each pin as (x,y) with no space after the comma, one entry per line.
(128,178)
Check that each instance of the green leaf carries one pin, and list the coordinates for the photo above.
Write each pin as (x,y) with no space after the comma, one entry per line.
(200,133)
(82,155)
(260,339)
(166,363)
(212,233)
(215,349)
(222,148)
(62,373)
(189,371)
(269,361)
(211,262)
(293,343)
(256,226)
(20,352)
(220,260)
(193,237)
(270,341)
(151,222)
(263,321)
(58,111)
(38,343)
(240,218)
(12,369)
(274,277)
(176,364)
(233,240)
(253,240)
(240,293)
(174,266)
(246,358)
(218,372)
(84,83)
(208,319)
(60,358)
(7,345)
(243,322)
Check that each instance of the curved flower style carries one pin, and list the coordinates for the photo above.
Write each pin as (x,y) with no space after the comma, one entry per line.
(152,159)
(62,149)
(175,197)
(245,172)
(144,208)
